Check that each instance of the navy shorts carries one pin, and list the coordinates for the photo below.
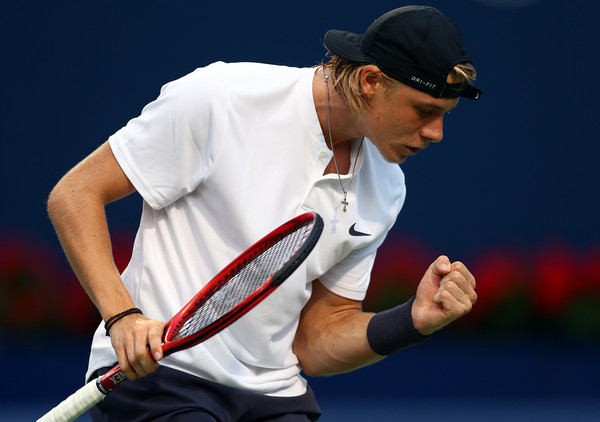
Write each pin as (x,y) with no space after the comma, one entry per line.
(174,396)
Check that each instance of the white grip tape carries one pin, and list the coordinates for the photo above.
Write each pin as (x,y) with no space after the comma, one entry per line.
(75,405)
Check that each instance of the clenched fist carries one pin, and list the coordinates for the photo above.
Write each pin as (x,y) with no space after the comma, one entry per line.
(446,292)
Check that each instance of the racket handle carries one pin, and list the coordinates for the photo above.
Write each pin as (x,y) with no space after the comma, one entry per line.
(76,404)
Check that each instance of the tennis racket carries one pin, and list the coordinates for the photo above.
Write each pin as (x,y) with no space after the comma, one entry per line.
(238,288)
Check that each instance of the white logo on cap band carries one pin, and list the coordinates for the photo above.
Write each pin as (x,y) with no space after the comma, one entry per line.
(424,83)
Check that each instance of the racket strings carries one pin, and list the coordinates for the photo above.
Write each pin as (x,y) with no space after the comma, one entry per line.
(245,282)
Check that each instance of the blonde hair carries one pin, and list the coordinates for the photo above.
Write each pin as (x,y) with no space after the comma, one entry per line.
(464,73)
(345,76)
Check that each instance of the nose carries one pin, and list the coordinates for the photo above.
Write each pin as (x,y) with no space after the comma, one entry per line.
(434,130)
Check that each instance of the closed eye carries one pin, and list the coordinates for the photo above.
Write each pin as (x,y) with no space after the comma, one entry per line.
(429,112)
(432,111)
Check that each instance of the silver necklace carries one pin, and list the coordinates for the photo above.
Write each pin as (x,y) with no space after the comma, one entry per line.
(344,190)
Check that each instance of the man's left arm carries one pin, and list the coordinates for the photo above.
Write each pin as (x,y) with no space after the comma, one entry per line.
(336,336)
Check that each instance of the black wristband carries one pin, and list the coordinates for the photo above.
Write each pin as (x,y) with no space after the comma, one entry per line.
(392,330)
(110,321)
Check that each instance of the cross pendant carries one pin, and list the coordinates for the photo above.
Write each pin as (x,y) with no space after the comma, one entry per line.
(344,203)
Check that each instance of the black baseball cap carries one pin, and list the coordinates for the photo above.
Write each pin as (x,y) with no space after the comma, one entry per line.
(416,45)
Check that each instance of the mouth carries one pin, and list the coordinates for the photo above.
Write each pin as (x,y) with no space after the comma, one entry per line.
(411,150)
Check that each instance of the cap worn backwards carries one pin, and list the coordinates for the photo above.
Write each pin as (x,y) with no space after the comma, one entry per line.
(416,45)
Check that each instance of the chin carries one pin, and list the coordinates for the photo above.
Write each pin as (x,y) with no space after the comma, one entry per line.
(395,158)
(392,156)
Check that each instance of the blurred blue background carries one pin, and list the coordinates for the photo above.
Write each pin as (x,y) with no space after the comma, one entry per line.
(511,191)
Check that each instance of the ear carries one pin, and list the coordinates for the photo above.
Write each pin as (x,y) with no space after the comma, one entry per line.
(370,77)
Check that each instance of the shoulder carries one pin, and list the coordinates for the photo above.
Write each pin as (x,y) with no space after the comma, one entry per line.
(244,70)
(219,76)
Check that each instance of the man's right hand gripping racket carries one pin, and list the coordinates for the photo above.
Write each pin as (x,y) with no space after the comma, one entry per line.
(238,288)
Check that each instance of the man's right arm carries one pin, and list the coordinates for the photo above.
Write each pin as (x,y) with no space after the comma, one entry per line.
(76,207)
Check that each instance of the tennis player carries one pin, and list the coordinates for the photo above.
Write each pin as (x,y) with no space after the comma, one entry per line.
(224,155)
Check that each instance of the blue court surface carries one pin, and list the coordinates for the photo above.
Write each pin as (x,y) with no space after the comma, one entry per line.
(446,378)
(381,410)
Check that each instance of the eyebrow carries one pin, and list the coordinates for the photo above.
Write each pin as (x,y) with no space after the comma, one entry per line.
(439,108)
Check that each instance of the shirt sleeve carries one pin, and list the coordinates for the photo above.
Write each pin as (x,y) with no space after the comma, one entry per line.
(168,150)
(350,277)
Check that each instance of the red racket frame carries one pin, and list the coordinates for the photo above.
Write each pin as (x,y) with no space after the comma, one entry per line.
(115,376)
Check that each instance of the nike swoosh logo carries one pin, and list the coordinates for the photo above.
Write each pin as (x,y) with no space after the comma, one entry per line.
(354,232)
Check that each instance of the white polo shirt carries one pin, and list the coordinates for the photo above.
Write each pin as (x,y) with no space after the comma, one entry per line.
(224,155)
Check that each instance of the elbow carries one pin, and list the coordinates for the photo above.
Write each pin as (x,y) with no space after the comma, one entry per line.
(309,358)
(309,366)
(64,201)
(310,373)
(316,364)
(59,198)
(300,350)
(55,198)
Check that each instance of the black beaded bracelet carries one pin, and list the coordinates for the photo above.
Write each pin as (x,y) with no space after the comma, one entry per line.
(110,322)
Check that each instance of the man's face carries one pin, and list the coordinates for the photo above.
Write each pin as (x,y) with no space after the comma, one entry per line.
(402,120)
